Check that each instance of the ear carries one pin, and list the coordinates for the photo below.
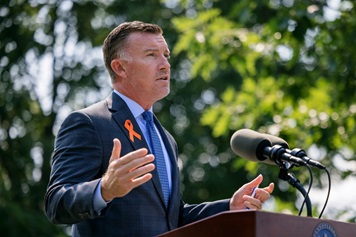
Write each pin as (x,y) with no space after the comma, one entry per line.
(118,68)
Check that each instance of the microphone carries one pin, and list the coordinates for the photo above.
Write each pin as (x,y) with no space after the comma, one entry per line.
(295,152)
(249,145)
(276,140)
(270,149)
(257,147)
(303,155)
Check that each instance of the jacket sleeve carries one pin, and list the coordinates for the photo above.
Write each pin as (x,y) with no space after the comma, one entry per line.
(195,212)
(77,166)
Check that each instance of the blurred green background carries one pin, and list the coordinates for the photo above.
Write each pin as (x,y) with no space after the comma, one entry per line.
(284,67)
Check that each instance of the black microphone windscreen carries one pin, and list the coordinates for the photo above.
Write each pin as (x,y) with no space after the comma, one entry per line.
(250,145)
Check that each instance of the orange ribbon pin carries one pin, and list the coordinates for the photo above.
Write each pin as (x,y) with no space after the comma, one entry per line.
(132,133)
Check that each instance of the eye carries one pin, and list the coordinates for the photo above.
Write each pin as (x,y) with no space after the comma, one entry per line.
(168,56)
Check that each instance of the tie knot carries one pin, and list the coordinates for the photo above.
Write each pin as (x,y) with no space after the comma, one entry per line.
(148,116)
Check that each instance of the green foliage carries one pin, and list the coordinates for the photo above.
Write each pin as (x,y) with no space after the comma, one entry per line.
(200,36)
(291,73)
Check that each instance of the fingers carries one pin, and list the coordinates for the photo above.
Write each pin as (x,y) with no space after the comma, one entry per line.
(252,203)
(126,172)
(261,194)
(243,197)
(116,150)
(142,179)
(248,188)
(136,174)
(256,182)
(270,188)
(132,160)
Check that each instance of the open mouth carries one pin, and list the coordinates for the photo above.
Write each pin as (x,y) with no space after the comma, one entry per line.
(164,78)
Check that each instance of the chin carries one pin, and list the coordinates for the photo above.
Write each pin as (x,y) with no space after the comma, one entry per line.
(161,94)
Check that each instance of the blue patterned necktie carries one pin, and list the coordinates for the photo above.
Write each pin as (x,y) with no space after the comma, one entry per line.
(158,153)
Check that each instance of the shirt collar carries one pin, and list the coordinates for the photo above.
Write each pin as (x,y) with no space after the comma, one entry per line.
(134,107)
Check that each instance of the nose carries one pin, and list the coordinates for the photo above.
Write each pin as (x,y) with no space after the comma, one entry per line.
(164,65)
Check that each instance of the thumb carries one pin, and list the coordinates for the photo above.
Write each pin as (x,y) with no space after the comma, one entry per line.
(116,150)
(254,183)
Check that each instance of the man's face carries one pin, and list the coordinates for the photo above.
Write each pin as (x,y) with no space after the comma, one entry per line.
(148,70)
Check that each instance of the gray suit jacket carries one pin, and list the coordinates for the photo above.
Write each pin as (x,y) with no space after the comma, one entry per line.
(81,156)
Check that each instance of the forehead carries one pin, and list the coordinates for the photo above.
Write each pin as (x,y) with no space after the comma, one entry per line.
(142,40)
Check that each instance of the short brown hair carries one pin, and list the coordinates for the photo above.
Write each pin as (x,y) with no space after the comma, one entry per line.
(115,42)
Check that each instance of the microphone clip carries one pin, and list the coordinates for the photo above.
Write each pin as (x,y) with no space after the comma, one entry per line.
(281,157)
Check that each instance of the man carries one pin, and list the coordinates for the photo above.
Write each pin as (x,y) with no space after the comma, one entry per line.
(104,179)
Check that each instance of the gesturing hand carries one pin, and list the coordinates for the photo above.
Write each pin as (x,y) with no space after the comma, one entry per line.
(242,197)
(125,173)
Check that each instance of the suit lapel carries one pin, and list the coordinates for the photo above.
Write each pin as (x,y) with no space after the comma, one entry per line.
(122,115)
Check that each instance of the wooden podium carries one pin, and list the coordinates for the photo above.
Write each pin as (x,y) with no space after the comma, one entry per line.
(251,223)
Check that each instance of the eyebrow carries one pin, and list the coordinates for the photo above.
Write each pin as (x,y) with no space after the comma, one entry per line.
(150,49)
(156,49)
(166,53)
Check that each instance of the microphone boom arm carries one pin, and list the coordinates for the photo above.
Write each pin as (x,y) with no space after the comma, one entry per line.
(284,175)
